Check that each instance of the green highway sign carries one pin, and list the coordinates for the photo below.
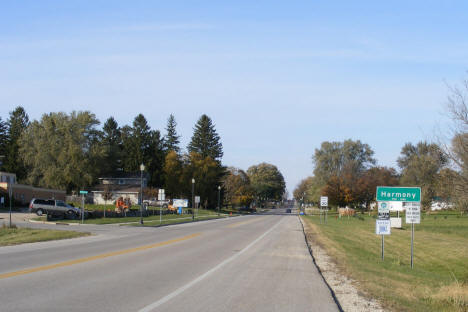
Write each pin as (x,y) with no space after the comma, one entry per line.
(404,194)
(83,192)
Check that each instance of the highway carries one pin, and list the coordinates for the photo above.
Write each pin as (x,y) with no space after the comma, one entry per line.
(249,263)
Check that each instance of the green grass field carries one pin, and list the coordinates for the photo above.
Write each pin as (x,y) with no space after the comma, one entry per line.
(439,280)
(14,236)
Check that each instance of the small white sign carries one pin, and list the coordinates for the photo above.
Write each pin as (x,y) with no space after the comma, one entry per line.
(324,201)
(384,210)
(197,199)
(382,227)
(413,212)
(161,196)
(180,203)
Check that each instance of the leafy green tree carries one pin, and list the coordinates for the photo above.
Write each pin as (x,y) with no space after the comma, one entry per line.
(205,141)
(17,123)
(267,182)
(112,141)
(236,187)
(337,158)
(171,140)
(63,151)
(173,175)
(3,142)
(420,165)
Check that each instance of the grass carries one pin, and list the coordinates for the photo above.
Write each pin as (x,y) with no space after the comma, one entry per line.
(439,280)
(152,220)
(15,236)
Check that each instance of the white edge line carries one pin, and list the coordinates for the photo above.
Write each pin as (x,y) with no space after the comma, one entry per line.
(177,292)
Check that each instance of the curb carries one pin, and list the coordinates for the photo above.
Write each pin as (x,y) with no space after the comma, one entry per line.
(56,223)
(318,268)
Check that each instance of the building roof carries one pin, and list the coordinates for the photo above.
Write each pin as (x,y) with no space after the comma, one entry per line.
(116,188)
(124,175)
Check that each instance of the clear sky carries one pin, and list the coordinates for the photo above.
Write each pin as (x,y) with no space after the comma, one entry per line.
(276,77)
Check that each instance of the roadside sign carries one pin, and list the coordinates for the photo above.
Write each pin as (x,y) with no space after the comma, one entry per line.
(197,199)
(413,212)
(324,201)
(161,194)
(382,227)
(405,194)
(384,211)
(83,192)
(180,203)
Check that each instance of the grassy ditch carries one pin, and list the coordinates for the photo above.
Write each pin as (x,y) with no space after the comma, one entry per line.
(439,280)
(15,236)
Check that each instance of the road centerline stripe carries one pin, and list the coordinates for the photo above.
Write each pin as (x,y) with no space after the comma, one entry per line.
(97,257)
(180,290)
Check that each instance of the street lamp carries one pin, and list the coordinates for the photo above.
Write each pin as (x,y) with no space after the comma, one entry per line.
(219,197)
(142,168)
(193,199)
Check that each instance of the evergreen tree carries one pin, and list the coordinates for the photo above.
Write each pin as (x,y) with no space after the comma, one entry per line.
(3,142)
(171,140)
(16,124)
(205,141)
(112,141)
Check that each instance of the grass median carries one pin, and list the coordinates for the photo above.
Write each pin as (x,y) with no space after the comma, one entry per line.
(15,236)
(439,280)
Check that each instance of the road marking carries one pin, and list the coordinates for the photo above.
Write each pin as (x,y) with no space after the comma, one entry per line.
(234,225)
(97,257)
(177,292)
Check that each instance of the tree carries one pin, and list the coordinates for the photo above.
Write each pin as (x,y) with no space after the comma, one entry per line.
(338,158)
(112,141)
(267,182)
(339,194)
(366,186)
(17,123)
(3,142)
(420,165)
(205,141)
(63,151)
(309,190)
(237,188)
(173,175)
(171,140)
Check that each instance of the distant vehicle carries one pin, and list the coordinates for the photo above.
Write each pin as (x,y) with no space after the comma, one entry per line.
(157,203)
(288,210)
(52,206)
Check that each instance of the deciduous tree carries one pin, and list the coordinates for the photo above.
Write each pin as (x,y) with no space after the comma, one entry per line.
(267,182)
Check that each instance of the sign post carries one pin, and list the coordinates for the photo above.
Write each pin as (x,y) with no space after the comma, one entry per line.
(197,203)
(324,203)
(161,196)
(382,224)
(413,215)
(10,194)
(83,193)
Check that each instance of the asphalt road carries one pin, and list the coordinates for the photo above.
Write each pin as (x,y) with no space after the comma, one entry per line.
(251,263)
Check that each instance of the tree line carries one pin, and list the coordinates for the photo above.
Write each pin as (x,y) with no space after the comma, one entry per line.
(70,152)
(346,171)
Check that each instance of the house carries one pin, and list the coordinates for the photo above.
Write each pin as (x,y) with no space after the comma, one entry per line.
(122,184)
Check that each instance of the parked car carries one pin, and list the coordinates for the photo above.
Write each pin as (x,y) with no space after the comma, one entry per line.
(52,206)
(157,203)
(288,210)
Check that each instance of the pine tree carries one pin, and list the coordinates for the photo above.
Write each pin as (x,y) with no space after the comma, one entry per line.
(16,124)
(171,140)
(3,142)
(112,140)
(205,140)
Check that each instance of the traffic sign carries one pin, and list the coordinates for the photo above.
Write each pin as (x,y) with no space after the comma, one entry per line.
(384,210)
(197,199)
(83,192)
(413,212)
(382,227)
(405,194)
(324,201)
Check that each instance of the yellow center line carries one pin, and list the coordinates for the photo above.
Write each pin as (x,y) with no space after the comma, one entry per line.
(234,225)
(101,256)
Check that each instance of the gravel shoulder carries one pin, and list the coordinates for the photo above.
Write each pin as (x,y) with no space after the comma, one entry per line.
(345,289)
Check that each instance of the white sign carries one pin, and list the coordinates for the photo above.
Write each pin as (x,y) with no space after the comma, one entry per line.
(197,199)
(384,210)
(413,212)
(324,201)
(382,227)
(161,194)
(180,203)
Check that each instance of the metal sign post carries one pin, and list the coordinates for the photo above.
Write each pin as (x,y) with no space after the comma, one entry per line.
(382,224)
(10,194)
(413,215)
(197,203)
(324,203)
(83,193)
(161,197)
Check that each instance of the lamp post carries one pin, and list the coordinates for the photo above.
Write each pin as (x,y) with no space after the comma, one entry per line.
(219,197)
(193,199)
(142,168)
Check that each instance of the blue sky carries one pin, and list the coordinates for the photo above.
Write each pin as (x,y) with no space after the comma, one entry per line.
(277,78)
